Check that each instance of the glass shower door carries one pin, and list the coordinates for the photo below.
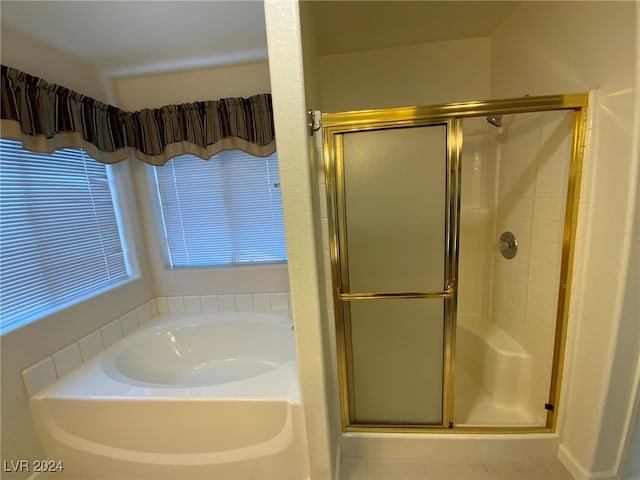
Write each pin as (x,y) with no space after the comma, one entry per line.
(395,291)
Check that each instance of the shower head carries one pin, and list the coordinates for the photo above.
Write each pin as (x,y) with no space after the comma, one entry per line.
(495,120)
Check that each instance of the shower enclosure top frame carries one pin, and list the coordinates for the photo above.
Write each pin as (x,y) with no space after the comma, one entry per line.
(336,124)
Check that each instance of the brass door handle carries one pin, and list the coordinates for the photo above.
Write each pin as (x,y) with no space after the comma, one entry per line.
(448,292)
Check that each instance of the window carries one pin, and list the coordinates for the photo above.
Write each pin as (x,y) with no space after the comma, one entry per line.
(59,236)
(224,211)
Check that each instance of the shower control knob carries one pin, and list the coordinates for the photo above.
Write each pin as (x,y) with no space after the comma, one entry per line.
(508,245)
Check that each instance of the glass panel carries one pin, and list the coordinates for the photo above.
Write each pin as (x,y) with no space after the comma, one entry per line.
(514,179)
(395,196)
(397,361)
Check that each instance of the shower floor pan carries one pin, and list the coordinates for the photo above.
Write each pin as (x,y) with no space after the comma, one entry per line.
(492,377)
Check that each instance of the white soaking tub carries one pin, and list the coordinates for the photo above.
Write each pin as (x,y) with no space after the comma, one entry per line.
(187,396)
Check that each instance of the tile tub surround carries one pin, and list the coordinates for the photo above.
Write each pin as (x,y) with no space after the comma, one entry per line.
(43,373)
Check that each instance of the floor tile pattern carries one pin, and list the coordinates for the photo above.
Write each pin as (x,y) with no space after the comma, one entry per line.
(538,468)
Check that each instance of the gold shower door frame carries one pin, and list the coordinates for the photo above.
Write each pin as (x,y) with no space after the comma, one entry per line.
(334,125)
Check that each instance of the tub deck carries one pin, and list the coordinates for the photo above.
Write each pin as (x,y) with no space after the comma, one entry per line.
(105,423)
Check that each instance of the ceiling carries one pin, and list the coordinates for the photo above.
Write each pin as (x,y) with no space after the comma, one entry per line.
(125,38)
(349,26)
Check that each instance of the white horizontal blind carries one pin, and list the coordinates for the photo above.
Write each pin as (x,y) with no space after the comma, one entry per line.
(223,211)
(59,236)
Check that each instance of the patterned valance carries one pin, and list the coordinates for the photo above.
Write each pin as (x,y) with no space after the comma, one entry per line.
(46,117)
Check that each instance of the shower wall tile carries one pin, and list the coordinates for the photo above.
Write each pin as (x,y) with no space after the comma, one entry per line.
(175,304)
(520,225)
(541,291)
(547,230)
(192,304)
(67,359)
(540,311)
(154,307)
(550,186)
(549,208)
(544,272)
(532,178)
(522,207)
(545,251)
(548,224)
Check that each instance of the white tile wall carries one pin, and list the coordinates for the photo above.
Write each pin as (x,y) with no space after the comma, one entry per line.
(280,301)
(244,302)
(145,313)
(163,305)
(39,376)
(67,359)
(175,304)
(48,370)
(90,345)
(226,303)
(261,302)
(129,323)
(192,305)
(532,180)
(209,303)
(111,333)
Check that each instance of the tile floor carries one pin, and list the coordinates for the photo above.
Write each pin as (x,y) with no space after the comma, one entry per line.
(543,468)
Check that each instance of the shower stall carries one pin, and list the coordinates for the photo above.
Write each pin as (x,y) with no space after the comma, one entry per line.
(452,234)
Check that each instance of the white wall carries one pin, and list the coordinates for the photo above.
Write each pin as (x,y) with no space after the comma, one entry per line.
(421,74)
(630,469)
(313,97)
(39,59)
(153,91)
(299,187)
(29,344)
(563,47)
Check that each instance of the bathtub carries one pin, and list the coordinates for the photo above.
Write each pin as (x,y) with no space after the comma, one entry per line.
(187,396)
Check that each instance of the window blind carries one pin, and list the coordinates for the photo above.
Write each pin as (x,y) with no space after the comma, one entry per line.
(223,211)
(59,235)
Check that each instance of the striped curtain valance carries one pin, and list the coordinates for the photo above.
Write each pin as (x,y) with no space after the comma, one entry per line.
(46,117)
(202,129)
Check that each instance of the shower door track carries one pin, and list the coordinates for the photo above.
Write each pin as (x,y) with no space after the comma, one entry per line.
(336,124)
